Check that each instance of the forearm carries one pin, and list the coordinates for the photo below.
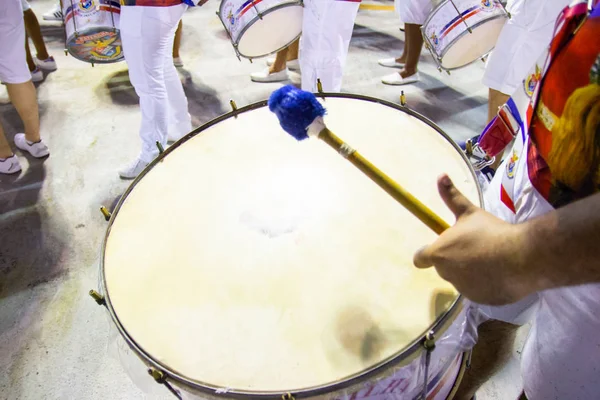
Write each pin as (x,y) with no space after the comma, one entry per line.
(562,248)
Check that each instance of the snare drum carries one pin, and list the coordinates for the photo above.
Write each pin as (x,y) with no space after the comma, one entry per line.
(459,32)
(243,264)
(91,33)
(259,28)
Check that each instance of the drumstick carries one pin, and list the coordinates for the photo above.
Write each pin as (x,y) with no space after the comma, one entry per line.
(301,115)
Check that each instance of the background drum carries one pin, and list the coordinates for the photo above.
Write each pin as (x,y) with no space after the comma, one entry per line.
(270,268)
(258,28)
(459,32)
(91,30)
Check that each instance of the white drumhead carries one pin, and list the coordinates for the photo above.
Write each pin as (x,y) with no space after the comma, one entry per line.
(276,29)
(472,46)
(249,261)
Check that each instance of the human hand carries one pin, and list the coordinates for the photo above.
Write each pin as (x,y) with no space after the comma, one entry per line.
(481,255)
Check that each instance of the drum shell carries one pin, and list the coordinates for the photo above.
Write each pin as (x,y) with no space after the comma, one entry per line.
(240,16)
(406,366)
(91,30)
(444,29)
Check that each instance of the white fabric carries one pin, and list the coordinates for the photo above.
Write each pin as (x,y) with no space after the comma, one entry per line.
(326,33)
(25,5)
(147,34)
(522,40)
(561,358)
(13,65)
(415,11)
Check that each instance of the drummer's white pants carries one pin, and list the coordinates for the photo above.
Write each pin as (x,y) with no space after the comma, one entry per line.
(326,33)
(147,34)
(521,43)
(415,11)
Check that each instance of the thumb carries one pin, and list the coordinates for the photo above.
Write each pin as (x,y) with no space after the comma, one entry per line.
(422,258)
(454,199)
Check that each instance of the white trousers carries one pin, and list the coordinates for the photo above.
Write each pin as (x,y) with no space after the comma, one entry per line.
(13,67)
(326,33)
(415,11)
(521,43)
(147,34)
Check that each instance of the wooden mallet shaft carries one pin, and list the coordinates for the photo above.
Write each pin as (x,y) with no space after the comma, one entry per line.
(410,202)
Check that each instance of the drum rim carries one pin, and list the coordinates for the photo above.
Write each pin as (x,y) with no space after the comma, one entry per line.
(439,57)
(253,21)
(399,359)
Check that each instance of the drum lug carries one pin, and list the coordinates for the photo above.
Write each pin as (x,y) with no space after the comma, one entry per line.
(98,298)
(161,378)
(161,149)
(429,341)
(402,98)
(106,213)
(66,52)
(428,345)
(233,105)
(288,396)
(319,86)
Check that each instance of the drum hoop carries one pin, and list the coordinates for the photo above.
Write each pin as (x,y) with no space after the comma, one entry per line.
(253,21)
(399,359)
(467,33)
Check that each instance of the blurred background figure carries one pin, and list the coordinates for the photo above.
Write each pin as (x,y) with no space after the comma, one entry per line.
(413,13)
(54,14)
(17,78)
(277,68)
(176,44)
(42,60)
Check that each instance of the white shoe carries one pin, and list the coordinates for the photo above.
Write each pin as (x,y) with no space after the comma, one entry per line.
(178,62)
(133,169)
(397,79)
(54,14)
(37,75)
(10,165)
(292,65)
(390,63)
(37,149)
(265,76)
(48,64)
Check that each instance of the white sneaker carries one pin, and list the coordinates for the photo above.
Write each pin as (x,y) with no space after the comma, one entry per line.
(37,149)
(292,65)
(48,64)
(37,75)
(397,79)
(54,14)
(178,62)
(390,63)
(265,76)
(10,165)
(133,169)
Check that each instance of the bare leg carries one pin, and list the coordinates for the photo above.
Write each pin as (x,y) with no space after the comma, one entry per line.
(293,51)
(32,26)
(495,101)
(413,46)
(405,50)
(30,62)
(280,61)
(5,150)
(177,41)
(24,98)
(491,352)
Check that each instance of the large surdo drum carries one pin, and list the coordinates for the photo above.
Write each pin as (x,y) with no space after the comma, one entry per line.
(243,264)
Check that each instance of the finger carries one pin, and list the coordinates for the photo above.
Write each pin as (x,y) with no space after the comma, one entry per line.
(454,199)
(422,258)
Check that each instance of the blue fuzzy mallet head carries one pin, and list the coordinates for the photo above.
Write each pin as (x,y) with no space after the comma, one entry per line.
(296,110)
